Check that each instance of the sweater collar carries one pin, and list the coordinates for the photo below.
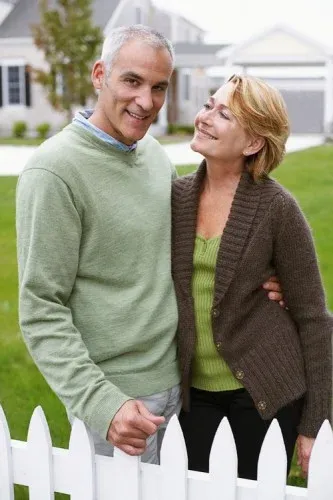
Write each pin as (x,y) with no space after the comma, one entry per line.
(236,231)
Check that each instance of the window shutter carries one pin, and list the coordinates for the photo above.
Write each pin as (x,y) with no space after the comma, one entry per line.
(1,90)
(27,86)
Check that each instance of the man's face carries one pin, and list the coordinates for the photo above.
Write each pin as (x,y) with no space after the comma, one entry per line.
(133,93)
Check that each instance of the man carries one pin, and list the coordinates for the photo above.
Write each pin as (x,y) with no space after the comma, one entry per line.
(97,305)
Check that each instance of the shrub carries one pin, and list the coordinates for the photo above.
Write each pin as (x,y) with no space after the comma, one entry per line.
(19,129)
(43,130)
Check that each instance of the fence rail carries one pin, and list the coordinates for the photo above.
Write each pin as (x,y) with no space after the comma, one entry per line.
(80,473)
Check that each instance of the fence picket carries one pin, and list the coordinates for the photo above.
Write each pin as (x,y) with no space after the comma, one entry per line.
(6,469)
(320,483)
(223,463)
(272,465)
(174,465)
(82,463)
(127,484)
(39,449)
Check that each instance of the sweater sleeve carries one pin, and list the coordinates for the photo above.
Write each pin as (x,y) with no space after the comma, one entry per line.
(48,246)
(297,268)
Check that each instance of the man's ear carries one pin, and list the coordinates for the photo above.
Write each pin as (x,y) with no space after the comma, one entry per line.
(255,145)
(98,74)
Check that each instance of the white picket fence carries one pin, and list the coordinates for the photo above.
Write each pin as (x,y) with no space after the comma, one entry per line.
(86,476)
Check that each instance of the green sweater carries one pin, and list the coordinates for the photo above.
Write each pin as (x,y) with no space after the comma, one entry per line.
(210,372)
(96,300)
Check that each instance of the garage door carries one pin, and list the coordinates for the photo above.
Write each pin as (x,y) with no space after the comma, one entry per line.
(306,110)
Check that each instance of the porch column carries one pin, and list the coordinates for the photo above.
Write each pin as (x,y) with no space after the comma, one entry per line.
(162,115)
(328,100)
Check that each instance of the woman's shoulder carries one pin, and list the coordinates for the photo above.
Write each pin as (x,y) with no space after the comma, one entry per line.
(279,200)
(275,191)
(183,183)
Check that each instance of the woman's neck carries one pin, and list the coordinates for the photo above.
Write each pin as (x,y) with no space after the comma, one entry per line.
(222,176)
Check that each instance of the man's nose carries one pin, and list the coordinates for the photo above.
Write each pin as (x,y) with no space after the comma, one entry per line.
(145,99)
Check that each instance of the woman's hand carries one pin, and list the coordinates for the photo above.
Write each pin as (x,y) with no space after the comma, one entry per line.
(304,447)
(273,287)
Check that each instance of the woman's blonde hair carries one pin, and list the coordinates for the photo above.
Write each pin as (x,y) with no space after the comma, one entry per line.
(261,111)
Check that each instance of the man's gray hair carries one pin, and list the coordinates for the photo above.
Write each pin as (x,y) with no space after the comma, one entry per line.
(119,36)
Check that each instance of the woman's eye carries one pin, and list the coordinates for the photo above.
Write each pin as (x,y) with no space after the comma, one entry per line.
(223,115)
(206,106)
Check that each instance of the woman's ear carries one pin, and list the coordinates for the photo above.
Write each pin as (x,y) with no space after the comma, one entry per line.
(255,145)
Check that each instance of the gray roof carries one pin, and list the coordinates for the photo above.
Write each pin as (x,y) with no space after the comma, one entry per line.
(197,48)
(25,13)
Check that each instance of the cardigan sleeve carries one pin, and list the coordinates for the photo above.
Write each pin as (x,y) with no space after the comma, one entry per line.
(298,271)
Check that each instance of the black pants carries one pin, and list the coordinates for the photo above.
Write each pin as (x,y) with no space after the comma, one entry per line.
(249,429)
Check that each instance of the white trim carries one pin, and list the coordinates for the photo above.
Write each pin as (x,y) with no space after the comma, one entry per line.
(14,41)
(13,62)
(297,85)
(278,60)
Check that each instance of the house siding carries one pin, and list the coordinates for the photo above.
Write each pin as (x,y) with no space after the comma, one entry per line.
(40,109)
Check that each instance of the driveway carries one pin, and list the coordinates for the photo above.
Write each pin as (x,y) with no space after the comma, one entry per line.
(13,158)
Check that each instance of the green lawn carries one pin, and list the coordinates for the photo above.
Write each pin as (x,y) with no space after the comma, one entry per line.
(16,141)
(308,174)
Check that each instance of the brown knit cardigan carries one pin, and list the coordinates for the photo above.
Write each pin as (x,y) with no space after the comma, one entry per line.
(279,355)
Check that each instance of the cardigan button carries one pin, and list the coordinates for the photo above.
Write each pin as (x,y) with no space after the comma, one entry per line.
(239,374)
(218,345)
(262,405)
(215,312)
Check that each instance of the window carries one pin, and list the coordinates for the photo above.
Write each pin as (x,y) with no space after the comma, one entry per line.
(14,85)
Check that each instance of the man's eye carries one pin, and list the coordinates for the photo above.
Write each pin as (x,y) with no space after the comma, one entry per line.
(132,82)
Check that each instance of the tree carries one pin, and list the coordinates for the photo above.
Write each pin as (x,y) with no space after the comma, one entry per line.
(70,43)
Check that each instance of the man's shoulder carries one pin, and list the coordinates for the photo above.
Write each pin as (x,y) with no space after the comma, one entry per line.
(148,145)
(51,154)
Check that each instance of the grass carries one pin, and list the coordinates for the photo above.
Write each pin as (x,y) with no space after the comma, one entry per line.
(17,141)
(308,174)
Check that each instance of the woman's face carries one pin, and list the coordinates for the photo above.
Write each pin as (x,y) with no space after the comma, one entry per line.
(218,135)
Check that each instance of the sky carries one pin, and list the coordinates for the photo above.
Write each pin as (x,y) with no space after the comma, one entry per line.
(232,21)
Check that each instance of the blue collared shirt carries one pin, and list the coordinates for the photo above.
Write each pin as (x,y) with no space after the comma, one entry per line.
(81,118)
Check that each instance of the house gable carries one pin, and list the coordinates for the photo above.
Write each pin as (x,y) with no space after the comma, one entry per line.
(279,45)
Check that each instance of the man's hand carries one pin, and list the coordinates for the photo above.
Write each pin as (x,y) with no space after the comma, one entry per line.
(304,446)
(274,290)
(131,426)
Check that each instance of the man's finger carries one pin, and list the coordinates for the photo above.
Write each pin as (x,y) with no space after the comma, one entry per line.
(120,441)
(155,419)
(131,450)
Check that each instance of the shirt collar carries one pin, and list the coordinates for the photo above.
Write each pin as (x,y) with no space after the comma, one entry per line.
(81,118)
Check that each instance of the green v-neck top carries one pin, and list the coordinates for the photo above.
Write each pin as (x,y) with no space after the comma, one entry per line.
(209,370)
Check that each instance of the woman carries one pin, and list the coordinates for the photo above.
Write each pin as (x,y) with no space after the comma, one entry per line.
(242,355)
